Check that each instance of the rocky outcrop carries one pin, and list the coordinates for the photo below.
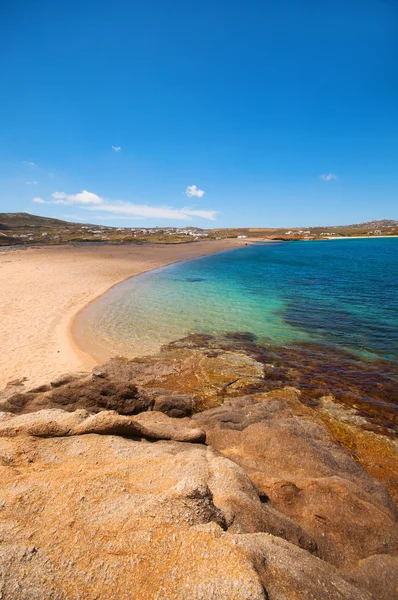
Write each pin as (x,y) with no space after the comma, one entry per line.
(205,372)
(178,381)
(304,475)
(59,423)
(107,517)
(99,496)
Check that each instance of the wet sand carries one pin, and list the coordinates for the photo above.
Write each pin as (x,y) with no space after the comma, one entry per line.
(42,289)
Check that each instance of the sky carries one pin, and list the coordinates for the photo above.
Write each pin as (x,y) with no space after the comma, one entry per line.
(212,114)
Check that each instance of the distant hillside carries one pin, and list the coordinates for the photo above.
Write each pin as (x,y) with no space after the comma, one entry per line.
(23,220)
(377,224)
(380,227)
(26,229)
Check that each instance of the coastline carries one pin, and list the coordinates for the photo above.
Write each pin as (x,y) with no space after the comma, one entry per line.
(360,237)
(43,289)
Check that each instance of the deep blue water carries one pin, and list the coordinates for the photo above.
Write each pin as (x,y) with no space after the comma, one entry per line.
(341,293)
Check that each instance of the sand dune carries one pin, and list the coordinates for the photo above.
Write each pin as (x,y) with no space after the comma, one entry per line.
(41,289)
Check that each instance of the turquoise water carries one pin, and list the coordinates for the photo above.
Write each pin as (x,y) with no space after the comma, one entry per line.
(342,294)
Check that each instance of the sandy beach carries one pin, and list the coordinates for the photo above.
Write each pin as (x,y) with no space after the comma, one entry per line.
(42,289)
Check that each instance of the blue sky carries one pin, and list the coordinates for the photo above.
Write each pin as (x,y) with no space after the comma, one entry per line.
(256,113)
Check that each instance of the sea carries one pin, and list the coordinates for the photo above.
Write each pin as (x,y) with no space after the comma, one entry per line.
(329,308)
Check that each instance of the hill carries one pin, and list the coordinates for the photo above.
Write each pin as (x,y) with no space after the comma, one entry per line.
(385,227)
(23,220)
(378,224)
(27,229)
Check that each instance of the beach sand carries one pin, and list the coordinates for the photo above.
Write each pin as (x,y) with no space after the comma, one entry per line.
(42,289)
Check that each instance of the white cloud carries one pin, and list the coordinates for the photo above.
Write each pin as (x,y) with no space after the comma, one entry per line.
(31,182)
(72,217)
(93,202)
(192,190)
(204,214)
(84,197)
(116,148)
(328,176)
(29,163)
(154,212)
(113,218)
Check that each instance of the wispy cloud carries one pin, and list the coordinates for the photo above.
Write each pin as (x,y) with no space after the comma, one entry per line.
(194,191)
(84,197)
(31,182)
(154,212)
(29,163)
(71,217)
(93,202)
(328,176)
(116,148)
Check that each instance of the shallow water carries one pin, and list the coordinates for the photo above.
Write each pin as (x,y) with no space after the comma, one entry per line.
(320,316)
(342,294)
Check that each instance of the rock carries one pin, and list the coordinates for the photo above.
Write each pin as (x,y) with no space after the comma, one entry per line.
(378,573)
(175,405)
(107,423)
(292,574)
(111,517)
(108,512)
(158,426)
(171,403)
(92,394)
(141,370)
(307,478)
(160,382)
(59,423)
(44,423)
(45,387)
(68,378)
(244,510)
(206,373)
(239,413)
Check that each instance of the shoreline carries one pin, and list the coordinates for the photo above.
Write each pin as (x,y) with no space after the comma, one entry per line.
(43,289)
(360,237)
(72,327)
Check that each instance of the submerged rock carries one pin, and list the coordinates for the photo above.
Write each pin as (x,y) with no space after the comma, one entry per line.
(204,374)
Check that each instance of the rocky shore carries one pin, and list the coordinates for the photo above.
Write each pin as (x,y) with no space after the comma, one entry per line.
(207,471)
